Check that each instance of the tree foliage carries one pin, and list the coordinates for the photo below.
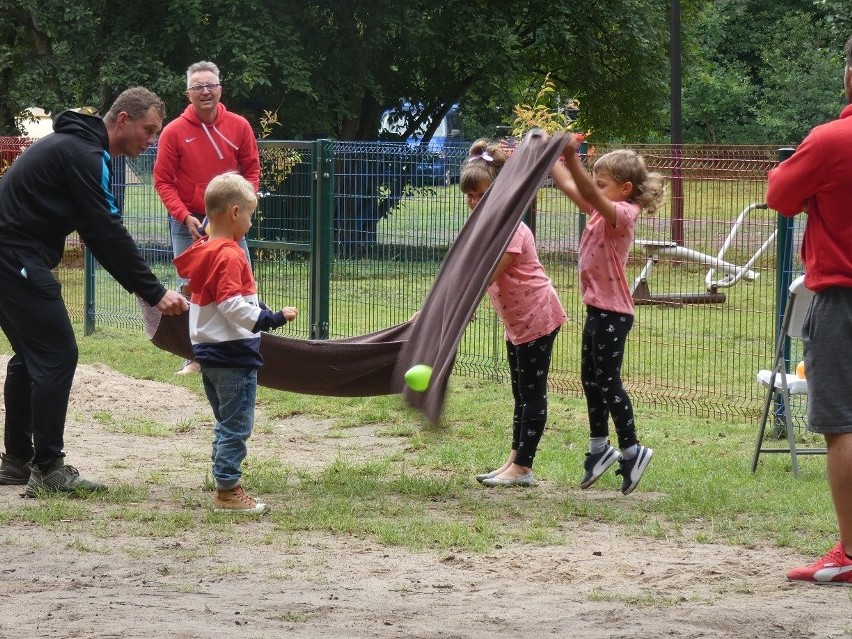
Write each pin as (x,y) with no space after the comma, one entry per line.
(763,72)
(753,71)
(331,67)
(69,54)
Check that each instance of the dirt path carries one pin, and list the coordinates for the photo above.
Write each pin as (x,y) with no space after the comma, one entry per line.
(71,579)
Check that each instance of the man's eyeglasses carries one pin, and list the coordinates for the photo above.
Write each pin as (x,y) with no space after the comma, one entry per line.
(198,88)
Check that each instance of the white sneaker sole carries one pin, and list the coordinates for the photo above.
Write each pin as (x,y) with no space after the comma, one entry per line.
(258,508)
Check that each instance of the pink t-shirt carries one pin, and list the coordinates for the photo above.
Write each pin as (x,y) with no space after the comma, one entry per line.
(523,295)
(603,258)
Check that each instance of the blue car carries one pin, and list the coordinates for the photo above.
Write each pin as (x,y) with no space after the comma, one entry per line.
(439,161)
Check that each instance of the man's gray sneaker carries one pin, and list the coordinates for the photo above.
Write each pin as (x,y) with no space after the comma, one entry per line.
(13,470)
(59,478)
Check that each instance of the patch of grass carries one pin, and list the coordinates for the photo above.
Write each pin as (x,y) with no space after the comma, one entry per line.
(142,426)
(147,520)
(422,495)
(84,546)
(128,494)
(649,599)
(54,510)
(293,617)
(136,552)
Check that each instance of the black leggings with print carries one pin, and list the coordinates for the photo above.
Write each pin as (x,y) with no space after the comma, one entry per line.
(604,341)
(529,364)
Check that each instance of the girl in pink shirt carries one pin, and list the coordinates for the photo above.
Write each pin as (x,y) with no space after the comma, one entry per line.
(526,301)
(613,196)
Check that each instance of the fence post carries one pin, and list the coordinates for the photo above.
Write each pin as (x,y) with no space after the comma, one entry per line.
(581,217)
(783,279)
(322,236)
(784,263)
(676,183)
(530,215)
(89,310)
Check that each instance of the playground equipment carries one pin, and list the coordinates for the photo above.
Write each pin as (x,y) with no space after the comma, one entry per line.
(728,273)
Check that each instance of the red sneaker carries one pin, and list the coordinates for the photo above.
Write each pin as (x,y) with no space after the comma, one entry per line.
(834,568)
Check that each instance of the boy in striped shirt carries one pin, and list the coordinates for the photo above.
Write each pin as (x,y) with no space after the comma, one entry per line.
(225,320)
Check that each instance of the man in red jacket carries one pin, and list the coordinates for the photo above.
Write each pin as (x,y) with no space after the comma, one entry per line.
(206,140)
(817,180)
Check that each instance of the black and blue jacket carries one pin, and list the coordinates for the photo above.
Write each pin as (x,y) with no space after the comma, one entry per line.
(61,184)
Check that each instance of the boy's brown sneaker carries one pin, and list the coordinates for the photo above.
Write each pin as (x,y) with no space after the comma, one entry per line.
(236,500)
(13,471)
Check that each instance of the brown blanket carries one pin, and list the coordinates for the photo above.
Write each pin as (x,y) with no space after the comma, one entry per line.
(374,364)
(353,367)
(464,275)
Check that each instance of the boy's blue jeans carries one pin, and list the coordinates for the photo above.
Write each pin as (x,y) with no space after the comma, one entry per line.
(231,392)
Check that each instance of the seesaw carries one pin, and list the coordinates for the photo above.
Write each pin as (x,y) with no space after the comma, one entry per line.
(730,273)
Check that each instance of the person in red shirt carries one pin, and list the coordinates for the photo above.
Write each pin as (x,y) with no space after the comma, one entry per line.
(817,180)
(206,140)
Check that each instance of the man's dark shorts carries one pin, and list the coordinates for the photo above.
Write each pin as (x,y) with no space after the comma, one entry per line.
(827,337)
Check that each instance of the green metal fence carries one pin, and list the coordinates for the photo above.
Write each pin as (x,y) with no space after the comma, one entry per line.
(353,234)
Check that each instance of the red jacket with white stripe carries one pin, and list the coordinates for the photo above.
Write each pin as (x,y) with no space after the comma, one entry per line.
(225,315)
(190,153)
(817,178)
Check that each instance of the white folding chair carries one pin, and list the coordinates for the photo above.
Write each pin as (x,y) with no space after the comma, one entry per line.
(778,381)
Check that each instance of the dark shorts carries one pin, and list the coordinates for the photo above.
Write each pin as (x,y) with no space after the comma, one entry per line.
(827,338)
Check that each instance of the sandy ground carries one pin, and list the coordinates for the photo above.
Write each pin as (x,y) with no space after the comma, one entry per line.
(71,580)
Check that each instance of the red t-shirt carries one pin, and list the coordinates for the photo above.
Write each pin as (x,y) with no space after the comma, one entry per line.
(818,178)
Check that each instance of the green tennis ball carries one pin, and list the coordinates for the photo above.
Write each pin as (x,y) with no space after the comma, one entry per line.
(417,377)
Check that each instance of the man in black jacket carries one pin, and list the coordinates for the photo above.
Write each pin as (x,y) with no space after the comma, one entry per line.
(59,185)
